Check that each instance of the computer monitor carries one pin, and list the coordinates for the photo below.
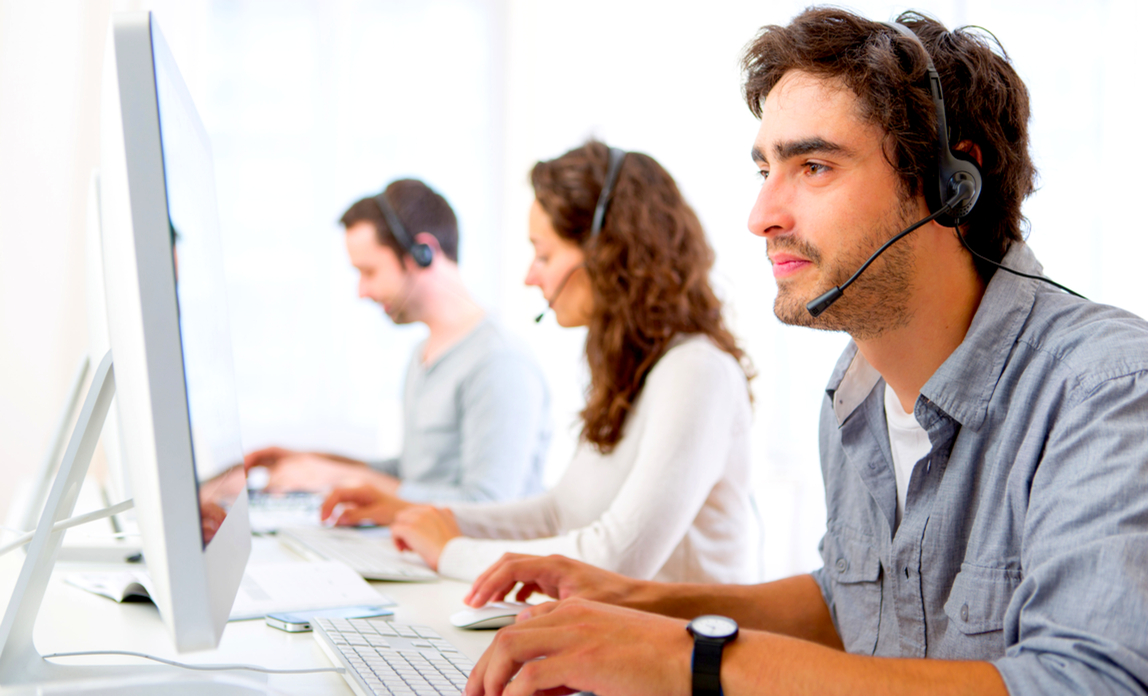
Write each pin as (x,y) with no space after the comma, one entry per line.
(169,335)
(169,367)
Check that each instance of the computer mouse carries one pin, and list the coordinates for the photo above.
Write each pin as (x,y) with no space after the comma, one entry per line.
(493,615)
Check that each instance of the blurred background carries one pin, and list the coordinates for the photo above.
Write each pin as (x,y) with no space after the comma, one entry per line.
(312,105)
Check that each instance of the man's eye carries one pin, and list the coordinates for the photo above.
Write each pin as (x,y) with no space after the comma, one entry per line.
(816,167)
(763,174)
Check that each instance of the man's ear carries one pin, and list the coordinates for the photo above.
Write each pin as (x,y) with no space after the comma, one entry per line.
(430,240)
(971,149)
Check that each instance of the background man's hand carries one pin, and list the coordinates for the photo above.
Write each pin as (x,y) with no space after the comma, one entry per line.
(424,530)
(632,652)
(556,576)
(361,505)
(291,470)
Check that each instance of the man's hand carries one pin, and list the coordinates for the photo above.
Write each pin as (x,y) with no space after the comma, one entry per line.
(424,530)
(556,576)
(291,470)
(587,647)
(361,505)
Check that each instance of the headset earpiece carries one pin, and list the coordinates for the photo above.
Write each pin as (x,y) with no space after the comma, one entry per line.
(422,254)
(958,177)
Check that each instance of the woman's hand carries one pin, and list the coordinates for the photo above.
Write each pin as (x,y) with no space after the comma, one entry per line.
(424,530)
(556,576)
(360,505)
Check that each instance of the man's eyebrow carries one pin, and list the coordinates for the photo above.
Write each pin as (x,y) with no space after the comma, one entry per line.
(797,148)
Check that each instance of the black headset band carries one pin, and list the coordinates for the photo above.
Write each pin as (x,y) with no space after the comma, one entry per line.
(958,179)
(397,230)
(615,165)
(934,88)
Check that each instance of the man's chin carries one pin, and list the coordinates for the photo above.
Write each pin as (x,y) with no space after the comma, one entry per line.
(791,310)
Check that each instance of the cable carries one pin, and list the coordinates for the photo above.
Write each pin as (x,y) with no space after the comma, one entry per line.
(1042,279)
(71,522)
(201,668)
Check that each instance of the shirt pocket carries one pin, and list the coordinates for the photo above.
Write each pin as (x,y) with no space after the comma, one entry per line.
(975,609)
(854,569)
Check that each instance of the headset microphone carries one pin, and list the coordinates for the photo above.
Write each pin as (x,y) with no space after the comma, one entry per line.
(818,306)
(550,304)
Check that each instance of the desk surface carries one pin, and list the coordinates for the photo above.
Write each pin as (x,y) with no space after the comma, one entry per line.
(73,620)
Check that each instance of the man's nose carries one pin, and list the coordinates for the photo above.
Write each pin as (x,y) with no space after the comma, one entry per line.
(772,211)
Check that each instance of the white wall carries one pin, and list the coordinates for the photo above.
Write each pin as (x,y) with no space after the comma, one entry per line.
(311,105)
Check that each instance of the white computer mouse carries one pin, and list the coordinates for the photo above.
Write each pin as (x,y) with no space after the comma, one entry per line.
(493,615)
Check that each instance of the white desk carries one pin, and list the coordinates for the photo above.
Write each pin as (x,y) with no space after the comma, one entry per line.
(73,620)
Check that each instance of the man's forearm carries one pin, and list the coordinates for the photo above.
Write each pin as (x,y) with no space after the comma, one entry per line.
(757,663)
(792,606)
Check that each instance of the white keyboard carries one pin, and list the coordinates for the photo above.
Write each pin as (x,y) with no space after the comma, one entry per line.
(270,512)
(381,657)
(369,551)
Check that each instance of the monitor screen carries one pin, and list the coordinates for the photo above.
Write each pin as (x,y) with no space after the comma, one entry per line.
(200,293)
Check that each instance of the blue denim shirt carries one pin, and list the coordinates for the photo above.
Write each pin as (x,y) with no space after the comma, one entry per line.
(1024,538)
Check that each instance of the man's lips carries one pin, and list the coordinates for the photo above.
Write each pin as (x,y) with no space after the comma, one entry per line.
(785,265)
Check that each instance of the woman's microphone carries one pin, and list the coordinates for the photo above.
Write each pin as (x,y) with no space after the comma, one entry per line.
(552,300)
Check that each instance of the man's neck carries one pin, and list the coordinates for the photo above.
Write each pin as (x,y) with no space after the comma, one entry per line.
(941,312)
(449,312)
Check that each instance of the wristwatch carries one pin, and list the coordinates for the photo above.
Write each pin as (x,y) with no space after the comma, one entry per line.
(710,633)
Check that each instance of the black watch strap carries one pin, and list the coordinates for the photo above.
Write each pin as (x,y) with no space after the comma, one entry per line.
(707,666)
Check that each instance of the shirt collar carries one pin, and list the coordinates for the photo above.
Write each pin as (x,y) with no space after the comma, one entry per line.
(963,385)
(852,381)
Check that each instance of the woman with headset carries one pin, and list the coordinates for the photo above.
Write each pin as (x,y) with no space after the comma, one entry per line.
(659,485)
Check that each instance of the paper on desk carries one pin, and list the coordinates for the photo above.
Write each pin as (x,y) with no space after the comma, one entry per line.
(292,586)
(266,588)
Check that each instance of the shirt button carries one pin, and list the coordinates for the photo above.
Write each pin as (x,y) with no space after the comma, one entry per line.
(841,565)
(965,612)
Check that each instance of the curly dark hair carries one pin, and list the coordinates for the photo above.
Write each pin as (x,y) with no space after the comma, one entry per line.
(986,102)
(649,275)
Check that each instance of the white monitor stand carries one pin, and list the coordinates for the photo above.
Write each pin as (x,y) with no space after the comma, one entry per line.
(22,669)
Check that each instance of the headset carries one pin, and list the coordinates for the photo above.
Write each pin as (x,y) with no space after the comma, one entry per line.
(615,166)
(612,169)
(421,253)
(950,203)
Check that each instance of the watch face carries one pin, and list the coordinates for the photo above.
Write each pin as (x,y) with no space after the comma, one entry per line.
(713,626)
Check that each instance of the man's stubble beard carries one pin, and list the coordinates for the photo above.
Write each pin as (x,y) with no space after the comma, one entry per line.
(405,310)
(879,299)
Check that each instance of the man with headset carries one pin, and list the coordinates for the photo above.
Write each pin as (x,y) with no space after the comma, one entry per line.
(982,437)
(475,404)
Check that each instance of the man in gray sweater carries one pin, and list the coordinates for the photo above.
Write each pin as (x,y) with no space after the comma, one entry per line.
(475,404)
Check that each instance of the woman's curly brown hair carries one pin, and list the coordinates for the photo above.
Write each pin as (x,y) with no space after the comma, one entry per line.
(649,275)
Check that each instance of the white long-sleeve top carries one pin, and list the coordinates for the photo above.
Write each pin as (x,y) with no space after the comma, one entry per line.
(671,502)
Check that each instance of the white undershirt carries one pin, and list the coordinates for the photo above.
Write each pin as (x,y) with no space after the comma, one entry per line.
(909,443)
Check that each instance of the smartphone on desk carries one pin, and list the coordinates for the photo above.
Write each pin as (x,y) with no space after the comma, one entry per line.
(300,621)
